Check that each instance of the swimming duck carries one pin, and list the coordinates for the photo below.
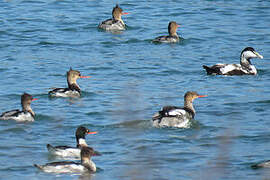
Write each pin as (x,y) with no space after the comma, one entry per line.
(73,89)
(244,68)
(67,151)
(26,114)
(116,23)
(173,116)
(172,37)
(86,164)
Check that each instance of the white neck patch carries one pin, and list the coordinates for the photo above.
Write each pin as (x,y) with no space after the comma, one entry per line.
(82,142)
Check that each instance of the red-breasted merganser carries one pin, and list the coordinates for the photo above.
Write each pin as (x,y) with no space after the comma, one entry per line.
(116,23)
(26,114)
(173,116)
(73,89)
(244,68)
(67,151)
(86,165)
(172,37)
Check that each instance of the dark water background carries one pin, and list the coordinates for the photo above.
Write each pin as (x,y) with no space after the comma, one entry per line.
(131,79)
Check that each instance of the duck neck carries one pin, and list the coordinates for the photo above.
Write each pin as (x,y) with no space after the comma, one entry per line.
(81,143)
(122,22)
(174,34)
(72,84)
(245,62)
(189,105)
(27,107)
(89,164)
(118,18)
(172,31)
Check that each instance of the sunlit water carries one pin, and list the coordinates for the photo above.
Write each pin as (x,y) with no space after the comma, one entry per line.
(131,80)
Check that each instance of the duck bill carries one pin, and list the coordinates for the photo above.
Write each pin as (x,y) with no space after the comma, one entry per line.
(202,96)
(94,132)
(125,13)
(96,153)
(85,76)
(34,99)
(258,55)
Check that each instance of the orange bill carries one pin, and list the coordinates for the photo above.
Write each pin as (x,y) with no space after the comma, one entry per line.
(94,132)
(96,153)
(202,96)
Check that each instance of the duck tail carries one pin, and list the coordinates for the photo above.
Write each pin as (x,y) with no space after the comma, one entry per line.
(50,148)
(38,166)
(156,116)
(209,70)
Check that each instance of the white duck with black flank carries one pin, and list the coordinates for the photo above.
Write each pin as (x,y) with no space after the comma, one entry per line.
(116,23)
(244,68)
(73,89)
(24,115)
(85,166)
(68,151)
(172,37)
(173,116)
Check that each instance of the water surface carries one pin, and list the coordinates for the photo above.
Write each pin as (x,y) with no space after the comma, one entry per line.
(131,80)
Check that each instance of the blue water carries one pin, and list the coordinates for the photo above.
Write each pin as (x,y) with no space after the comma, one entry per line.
(131,80)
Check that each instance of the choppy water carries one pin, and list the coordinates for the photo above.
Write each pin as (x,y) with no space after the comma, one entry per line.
(131,79)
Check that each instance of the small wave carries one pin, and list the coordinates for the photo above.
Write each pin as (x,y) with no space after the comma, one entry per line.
(69,29)
(261,102)
(88,94)
(93,113)
(14,130)
(41,117)
(133,40)
(132,124)
(46,43)
(33,2)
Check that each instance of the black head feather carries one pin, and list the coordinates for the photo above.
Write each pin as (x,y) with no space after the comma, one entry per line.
(248,49)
